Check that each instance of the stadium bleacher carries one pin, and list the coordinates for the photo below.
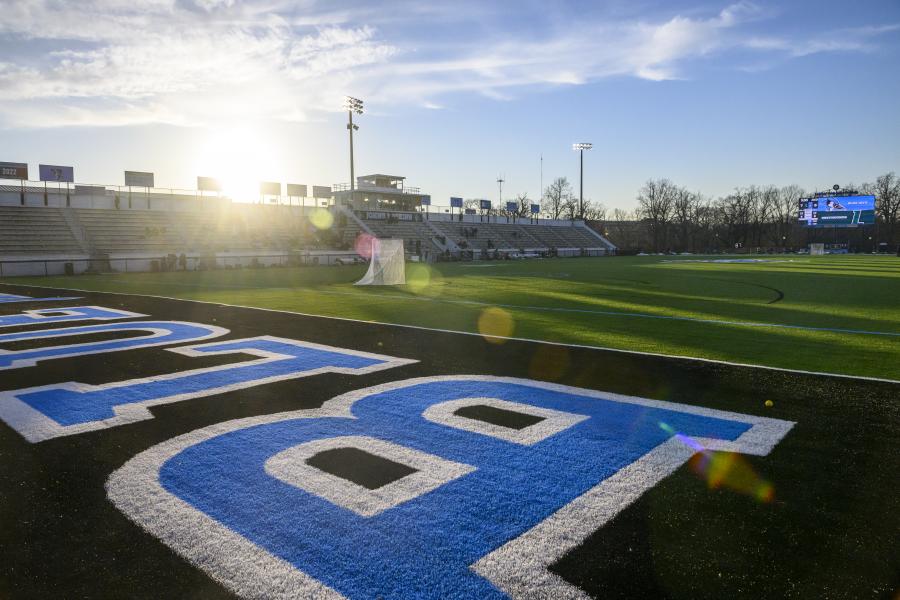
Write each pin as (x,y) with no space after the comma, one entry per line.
(518,236)
(29,230)
(34,232)
(409,231)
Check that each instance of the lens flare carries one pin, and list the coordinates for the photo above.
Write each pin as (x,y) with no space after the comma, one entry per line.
(493,322)
(423,280)
(725,469)
(363,245)
(321,219)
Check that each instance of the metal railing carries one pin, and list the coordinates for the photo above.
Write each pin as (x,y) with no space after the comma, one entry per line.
(368,187)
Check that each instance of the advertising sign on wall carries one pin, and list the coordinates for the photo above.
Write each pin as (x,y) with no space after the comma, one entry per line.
(139,179)
(13,170)
(296,190)
(270,188)
(321,191)
(57,173)
(208,184)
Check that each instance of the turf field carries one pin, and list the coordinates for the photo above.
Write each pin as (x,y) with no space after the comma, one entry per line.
(832,314)
(155,447)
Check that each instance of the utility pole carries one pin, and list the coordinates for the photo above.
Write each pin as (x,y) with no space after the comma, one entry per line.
(353,105)
(581,147)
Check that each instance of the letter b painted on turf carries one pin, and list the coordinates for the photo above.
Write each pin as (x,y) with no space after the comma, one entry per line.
(458,469)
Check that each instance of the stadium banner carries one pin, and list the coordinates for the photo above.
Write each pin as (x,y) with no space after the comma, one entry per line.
(57,173)
(13,170)
(139,179)
(837,211)
(270,188)
(512,207)
(470,211)
(426,200)
(296,190)
(321,191)
(208,184)
(456,202)
(535,209)
(485,204)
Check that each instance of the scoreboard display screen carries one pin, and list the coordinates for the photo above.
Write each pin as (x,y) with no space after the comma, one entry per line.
(837,211)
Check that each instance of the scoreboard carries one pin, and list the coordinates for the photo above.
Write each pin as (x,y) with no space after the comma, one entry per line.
(837,211)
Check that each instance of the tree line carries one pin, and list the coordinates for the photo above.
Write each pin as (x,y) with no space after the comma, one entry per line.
(558,202)
(669,217)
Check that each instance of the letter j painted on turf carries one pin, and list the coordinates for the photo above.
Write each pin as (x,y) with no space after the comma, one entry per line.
(478,485)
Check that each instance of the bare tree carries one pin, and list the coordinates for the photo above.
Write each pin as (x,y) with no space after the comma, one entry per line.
(683,215)
(887,203)
(623,229)
(557,195)
(524,203)
(655,201)
(786,212)
(594,211)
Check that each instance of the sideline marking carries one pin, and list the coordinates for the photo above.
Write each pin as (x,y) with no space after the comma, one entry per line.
(514,558)
(561,309)
(500,337)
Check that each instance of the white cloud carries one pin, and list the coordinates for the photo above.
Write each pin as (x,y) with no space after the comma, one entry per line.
(189,62)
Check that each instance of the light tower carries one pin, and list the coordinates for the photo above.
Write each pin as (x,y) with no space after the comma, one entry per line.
(353,105)
(581,147)
(500,181)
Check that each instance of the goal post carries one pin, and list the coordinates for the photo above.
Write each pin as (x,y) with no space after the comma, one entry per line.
(387,266)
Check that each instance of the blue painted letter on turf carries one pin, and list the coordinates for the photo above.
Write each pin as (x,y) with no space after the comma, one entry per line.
(68,314)
(69,408)
(8,298)
(158,333)
(467,517)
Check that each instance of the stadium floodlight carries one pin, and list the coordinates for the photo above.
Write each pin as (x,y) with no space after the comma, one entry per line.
(353,105)
(581,147)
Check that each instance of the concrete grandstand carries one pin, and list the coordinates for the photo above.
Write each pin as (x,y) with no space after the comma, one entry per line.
(92,228)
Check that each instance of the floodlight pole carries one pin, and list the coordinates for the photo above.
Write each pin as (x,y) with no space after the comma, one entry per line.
(350,128)
(353,105)
(581,184)
(581,147)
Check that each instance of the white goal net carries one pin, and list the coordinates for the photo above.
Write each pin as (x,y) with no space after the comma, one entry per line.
(387,266)
(817,249)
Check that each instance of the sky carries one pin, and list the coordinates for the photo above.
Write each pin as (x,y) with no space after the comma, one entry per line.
(713,95)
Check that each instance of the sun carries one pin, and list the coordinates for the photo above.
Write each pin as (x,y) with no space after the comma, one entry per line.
(239,157)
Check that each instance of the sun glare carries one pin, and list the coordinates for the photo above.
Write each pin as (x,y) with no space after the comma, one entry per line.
(240,158)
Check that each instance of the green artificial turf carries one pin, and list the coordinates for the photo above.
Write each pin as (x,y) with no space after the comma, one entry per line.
(596,302)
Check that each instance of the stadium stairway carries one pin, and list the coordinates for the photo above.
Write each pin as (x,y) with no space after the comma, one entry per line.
(447,244)
(354,226)
(410,232)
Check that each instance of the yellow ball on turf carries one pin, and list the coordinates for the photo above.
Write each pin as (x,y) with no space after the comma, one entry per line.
(769,403)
